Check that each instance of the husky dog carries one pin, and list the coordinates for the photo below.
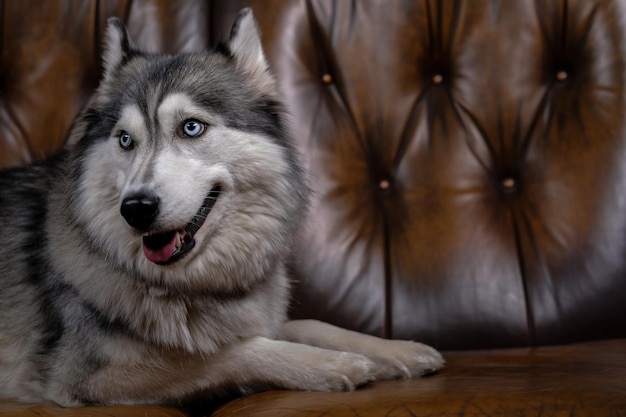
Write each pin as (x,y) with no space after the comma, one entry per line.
(146,262)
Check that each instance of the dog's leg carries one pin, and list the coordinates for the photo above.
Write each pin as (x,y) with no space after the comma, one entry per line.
(393,358)
(150,377)
(295,366)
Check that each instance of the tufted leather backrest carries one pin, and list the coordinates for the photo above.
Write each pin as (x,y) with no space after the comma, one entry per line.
(467,157)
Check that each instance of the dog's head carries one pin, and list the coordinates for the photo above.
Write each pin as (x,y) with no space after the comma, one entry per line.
(184,174)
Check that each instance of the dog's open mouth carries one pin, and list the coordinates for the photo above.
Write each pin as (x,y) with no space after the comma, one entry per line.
(168,247)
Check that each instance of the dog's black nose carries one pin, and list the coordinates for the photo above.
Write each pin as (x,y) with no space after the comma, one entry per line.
(140,211)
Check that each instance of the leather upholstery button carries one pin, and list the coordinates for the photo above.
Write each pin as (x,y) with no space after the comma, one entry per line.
(437,79)
(561,75)
(384,185)
(327,79)
(509,184)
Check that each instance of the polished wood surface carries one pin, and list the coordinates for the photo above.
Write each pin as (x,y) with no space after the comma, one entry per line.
(578,380)
(587,379)
(12,408)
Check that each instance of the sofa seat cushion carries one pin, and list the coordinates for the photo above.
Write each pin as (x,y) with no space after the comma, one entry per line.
(16,409)
(586,379)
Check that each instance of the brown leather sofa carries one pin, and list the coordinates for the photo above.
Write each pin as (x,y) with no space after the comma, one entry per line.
(468,161)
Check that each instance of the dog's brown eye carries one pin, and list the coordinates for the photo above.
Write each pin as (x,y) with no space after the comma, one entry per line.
(191,128)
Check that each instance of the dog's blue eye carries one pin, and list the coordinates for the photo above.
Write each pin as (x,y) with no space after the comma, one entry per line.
(126,141)
(192,128)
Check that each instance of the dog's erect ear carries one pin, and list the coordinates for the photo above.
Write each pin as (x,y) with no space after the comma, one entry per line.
(245,45)
(117,47)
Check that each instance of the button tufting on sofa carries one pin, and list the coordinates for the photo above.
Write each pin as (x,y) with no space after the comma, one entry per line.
(561,75)
(384,185)
(327,79)
(509,184)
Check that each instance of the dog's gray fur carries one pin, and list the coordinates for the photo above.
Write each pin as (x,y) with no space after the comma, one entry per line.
(88,316)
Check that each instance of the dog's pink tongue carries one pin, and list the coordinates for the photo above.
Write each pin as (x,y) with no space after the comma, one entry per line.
(162,254)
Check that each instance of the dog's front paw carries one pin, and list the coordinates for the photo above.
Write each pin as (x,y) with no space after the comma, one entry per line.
(406,359)
(338,371)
